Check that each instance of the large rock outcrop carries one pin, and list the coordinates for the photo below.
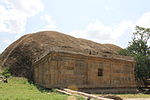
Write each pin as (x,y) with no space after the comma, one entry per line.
(20,55)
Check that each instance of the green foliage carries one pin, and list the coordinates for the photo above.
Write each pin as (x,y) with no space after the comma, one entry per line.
(138,45)
(139,49)
(124,52)
(142,67)
(6,73)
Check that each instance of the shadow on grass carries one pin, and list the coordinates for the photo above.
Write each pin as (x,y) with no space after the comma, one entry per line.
(41,88)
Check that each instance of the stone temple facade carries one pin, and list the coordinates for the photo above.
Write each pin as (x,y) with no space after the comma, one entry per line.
(90,73)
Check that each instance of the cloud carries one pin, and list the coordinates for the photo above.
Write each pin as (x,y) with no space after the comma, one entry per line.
(144,20)
(14,14)
(107,8)
(50,22)
(7,41)
(99,32)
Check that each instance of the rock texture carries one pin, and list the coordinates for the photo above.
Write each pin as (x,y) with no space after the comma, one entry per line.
(20,55)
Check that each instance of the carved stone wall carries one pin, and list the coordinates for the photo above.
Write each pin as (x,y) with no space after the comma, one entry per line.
(60,69)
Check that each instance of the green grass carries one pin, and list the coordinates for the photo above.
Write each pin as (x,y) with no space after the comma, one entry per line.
(138,95)
(21,89)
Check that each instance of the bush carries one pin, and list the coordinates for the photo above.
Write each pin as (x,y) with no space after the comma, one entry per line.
(6,73)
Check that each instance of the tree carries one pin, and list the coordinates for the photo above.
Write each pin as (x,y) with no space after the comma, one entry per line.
(139,49)
(138,45)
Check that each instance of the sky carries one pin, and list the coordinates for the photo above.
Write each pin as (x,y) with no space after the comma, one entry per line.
(102,21)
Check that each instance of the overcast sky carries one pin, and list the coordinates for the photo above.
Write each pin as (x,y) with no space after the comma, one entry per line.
(103,21)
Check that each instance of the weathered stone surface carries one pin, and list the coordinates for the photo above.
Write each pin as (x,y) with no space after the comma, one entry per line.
(63,69)
(20,55)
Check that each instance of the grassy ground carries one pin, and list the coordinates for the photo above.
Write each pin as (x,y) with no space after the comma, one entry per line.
(21,89)
(139,95)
